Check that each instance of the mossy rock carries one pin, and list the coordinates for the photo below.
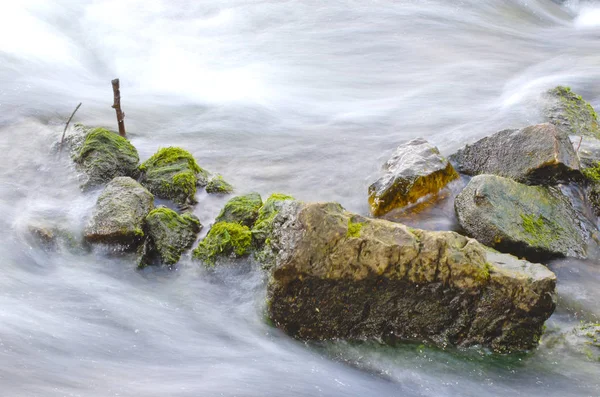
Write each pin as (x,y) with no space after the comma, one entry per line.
(263,227)
(120,212)
(218,185)
(340,275)
(571,113)
(415,170)
(241,209)
(533,221)
(173,174)
(105,155)
(225,239)
(168,235)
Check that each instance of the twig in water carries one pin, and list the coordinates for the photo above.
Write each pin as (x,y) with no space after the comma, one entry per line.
(117,106)
(578,146)
(62,140)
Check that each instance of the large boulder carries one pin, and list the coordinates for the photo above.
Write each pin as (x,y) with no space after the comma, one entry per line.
(173,174)
(538,154)
(570,113)
(532,221)
(416,169)
(168,235)
(119,215)
(241,209)
(105,155)
(341,275)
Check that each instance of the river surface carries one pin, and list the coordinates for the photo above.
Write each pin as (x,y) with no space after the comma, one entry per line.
(303,97)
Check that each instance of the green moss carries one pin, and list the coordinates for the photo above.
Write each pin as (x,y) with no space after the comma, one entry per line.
(224,238)
(592,173)
(540,232)
(353,228)
(218,185)
(103,140)
(169,156)
(241,209)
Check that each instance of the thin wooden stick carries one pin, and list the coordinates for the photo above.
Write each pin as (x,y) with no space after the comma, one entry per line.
(117,106)
(62,140)
(578,146)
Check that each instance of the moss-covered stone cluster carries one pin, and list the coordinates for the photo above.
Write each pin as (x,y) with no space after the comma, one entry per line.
(242,227)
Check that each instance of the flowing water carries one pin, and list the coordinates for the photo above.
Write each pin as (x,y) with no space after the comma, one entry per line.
(303,97)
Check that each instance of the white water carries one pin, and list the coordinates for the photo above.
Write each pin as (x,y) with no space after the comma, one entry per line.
(303,97)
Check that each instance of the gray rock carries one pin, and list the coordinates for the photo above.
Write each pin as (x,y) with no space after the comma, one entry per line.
(589,150)
(105,155)
(341,275)
(415,170)
(119,214)
(168,235)
(532,221)
(538,154)
(570,113)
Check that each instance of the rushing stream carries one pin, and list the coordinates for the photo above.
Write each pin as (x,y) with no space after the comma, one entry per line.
(303,97)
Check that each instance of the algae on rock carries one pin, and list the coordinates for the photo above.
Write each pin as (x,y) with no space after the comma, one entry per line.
(218,185)
(385,281)
(119,214)
(224,239)
(416,169)
(571,113)
(241,209)
(172,173)
(105,155)
(168,235)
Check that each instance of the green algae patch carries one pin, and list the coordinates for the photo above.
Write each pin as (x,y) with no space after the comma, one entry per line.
(353,228)
(218,185)
(571,113)
(592,173)
(172,173)
(224,239)
(241,209)
(267,213)
(105,155)
(169,234)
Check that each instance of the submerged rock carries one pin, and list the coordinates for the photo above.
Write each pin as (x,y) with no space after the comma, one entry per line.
(119,215)
(415,170)
(168,235)
(52,235)
(241,209)
(570,113)
(583,339)
(538,154)
(341,275)
(218,185)
(105,155)
(532,221)
(173,174)
(224,239)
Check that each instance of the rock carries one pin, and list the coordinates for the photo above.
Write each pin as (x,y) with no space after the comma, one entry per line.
(52,236)
(224,239)
(74,138)
(583,339)
(532,221)
(168,235)
(172,173)
(241,209)
(538,154)
(119,215)
(415,170)
(105,155)
(341,275)
(218,185)
(570,113)
(263,227)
